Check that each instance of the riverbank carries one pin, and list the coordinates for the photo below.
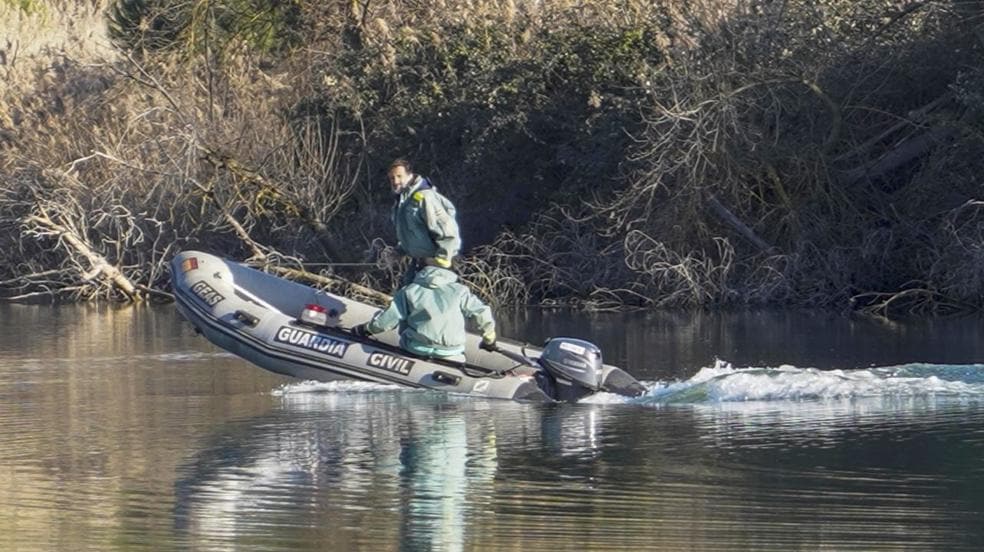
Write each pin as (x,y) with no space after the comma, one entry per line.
(605,157)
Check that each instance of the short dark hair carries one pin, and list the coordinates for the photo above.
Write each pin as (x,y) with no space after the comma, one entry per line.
(400,162)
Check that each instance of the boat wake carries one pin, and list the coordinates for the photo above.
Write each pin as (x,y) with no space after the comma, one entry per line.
(723,383)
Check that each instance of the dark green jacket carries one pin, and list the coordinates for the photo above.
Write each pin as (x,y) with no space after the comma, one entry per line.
(425,222)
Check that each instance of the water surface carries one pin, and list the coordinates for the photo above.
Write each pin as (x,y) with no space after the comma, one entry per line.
(122,430)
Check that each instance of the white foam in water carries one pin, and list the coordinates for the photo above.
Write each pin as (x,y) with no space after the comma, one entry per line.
(723,383)
(341,386)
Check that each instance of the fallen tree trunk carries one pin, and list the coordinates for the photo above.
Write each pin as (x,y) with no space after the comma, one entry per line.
(743,229)
(345,287)
(909,302)
(914,118)
(263,258)
(99,266)
(908,150)
(266,188)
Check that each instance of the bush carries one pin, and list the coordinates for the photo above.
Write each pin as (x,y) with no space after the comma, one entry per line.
(709,153)
(194,27)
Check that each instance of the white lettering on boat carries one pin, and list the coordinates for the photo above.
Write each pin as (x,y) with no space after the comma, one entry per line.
(389,362)
(206,293)
(311,341)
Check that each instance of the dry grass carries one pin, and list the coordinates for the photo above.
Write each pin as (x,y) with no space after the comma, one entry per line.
(36,39)
(141,159)
(33,28)
(744,106)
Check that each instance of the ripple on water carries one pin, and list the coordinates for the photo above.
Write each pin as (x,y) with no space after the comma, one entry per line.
(166,444)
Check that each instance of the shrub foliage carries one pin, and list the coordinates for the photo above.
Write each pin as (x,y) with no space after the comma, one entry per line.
(604,154)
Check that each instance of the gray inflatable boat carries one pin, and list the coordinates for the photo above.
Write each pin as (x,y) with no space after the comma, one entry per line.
(298,331)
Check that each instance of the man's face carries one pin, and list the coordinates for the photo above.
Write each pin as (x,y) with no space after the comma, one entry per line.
(399,177)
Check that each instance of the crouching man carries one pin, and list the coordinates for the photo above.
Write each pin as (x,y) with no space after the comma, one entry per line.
(430,312)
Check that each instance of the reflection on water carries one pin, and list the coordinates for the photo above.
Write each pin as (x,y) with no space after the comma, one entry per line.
(356,468)
(121,430)
(376,464)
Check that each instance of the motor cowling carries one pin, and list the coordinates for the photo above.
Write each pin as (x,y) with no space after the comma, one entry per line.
(573,363)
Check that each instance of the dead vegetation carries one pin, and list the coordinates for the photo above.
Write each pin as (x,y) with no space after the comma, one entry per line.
(602,155)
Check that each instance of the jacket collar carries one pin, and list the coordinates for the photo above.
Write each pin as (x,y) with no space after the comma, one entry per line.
(416,183)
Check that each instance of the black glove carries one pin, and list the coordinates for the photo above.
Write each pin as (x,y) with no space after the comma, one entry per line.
(360,331)
(489,346)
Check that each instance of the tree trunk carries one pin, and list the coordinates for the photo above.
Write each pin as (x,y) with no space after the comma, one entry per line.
(99,265)
(728,217)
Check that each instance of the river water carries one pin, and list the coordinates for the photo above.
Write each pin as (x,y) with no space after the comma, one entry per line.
(122,430)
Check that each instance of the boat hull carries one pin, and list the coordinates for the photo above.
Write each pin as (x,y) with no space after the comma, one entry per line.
(255,315)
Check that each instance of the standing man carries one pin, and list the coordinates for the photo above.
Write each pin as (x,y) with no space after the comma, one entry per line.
(426,229)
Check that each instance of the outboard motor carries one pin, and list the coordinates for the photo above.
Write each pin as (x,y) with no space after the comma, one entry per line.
(576,370)
(575,365)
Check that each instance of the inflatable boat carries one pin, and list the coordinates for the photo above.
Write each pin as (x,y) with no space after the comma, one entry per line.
(299,331)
